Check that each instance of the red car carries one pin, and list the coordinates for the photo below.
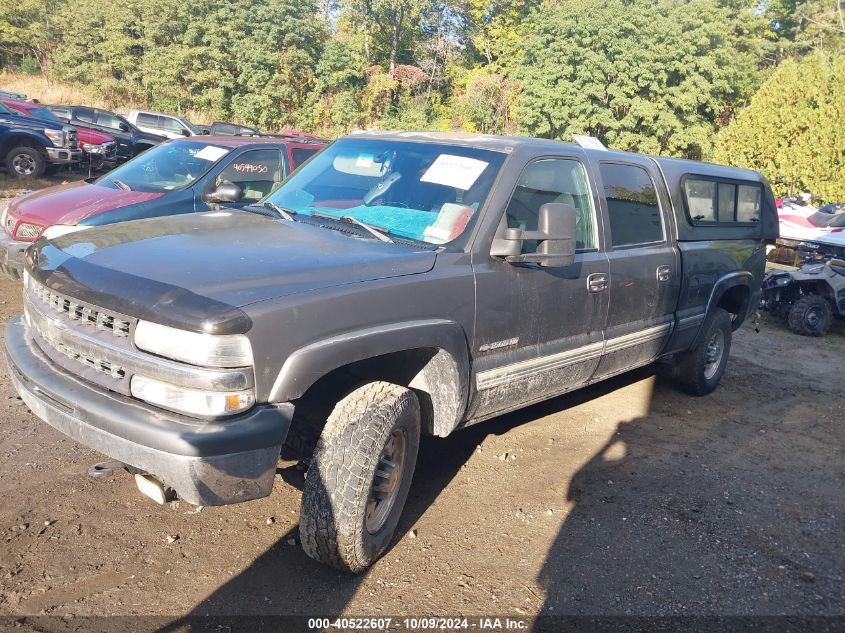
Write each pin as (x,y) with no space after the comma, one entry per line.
(98,148)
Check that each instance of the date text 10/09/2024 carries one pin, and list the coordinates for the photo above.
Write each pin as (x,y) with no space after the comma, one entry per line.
(418,624)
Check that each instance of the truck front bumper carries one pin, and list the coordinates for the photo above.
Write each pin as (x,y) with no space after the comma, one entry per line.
(64,156)
(206,463)
(11,256)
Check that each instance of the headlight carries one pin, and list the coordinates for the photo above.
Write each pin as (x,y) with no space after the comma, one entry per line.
(57,137)
(205,350)
(57,230)
(28,231)
(783,280)
(175,398)
(94,149)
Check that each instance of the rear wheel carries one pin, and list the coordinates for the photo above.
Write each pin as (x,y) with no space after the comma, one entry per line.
(699,370)
(359,476)
(26,162)
(810,316)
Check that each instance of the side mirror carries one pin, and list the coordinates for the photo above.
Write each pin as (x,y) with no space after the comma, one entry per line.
(225,192)
(555,237)
(123,126)
(184,132)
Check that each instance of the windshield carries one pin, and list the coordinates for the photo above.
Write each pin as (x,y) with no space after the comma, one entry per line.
(423,191)
(165,167)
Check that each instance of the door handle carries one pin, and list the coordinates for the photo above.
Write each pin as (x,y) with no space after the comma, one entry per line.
(664,273)
(597,282)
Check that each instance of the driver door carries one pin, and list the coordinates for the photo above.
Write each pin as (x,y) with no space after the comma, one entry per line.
(539,330)
(254,171)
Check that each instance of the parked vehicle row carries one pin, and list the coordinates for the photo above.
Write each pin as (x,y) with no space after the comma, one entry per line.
(130,140)
(396,285)
(30,145)
(105,138)
(99,149)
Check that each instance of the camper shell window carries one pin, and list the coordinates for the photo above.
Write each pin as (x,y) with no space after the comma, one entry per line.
(710,200)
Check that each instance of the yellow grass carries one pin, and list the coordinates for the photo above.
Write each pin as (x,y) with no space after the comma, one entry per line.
(56,92)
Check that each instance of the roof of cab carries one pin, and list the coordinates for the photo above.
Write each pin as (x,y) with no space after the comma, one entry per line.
(508,143)
(233,142)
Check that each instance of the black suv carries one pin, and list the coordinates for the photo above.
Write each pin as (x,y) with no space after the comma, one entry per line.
(130,140)
(395,285)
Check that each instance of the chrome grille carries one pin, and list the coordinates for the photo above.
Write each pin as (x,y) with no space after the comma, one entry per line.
(98,364)
(86,314)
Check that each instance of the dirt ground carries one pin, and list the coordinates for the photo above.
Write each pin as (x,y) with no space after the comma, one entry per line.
(627,498)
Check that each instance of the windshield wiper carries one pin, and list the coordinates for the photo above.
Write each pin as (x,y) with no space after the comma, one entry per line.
(377,232)
(121,184)
(286,214)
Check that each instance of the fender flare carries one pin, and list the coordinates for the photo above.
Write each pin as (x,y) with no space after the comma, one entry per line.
(16,135)
(445,377)
(722,285)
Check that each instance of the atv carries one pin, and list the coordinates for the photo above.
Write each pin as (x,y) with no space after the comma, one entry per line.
(808,298)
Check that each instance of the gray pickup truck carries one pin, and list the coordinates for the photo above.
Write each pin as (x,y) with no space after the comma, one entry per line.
(398,284)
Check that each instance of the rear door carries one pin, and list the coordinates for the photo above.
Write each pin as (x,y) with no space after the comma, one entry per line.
(299,153)
(644,264)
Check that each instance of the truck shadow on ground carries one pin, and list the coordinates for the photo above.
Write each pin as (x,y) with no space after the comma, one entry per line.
(283,580)
(665,518)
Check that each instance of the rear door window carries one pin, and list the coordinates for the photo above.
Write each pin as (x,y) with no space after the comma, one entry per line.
(299,155)
(632,205)
(255,172)
(149,120)
(84,114)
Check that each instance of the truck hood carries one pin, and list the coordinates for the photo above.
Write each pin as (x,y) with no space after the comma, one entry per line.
(87,135)
(197,270)
(73,202)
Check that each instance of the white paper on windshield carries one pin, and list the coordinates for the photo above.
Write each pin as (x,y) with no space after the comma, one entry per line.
(211,153)
(459,172)
(364,160)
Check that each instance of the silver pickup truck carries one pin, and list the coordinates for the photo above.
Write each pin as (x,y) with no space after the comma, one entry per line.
(398,284)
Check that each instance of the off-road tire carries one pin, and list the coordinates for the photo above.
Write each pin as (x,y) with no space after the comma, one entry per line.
(800,321)
(30,156)
(689,368)
(332,522)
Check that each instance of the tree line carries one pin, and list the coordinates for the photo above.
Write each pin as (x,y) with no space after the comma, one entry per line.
(702,79)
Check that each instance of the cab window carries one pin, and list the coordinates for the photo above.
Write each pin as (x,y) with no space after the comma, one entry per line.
(149,120)
(84,114)
(632,205)
(560,180)
(108,120)
(255,172)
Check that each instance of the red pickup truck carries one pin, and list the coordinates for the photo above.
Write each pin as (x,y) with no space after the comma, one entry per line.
(98,148)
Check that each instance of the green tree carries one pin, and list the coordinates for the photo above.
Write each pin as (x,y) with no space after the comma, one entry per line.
(28,28)
(793,129)
(652,77)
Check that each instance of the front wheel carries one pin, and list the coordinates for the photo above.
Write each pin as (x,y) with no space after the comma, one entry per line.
(359,476)
(26,162)
(699,370)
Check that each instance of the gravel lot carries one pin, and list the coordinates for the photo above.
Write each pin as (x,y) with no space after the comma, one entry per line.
(624,498)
